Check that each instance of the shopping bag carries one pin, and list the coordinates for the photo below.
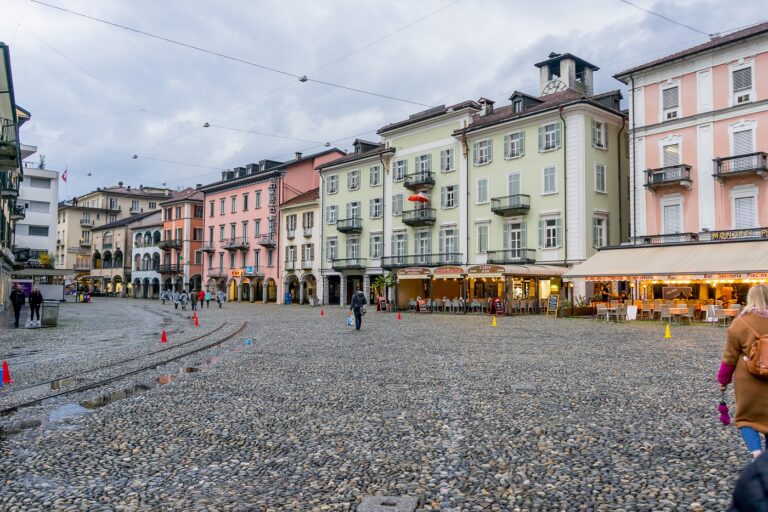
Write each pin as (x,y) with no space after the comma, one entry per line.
(350,321)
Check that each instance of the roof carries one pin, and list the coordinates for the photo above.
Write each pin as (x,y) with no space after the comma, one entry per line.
(715,42)
(548,102)
(306,197)
(123,222)
(430,114)
(149,192)
(188,194)
(352,157)
(311,157)
(557,57)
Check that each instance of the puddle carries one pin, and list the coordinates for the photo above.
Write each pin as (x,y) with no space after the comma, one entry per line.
(65,412)
(120,394)
(41,389)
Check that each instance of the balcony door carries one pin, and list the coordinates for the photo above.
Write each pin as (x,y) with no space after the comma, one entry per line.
(423,247)
(353,248)
(514,240)
(514,184)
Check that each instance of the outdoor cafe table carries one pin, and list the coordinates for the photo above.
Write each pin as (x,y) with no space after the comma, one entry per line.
(678,312)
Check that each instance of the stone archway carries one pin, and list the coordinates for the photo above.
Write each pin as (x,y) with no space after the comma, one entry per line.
(196,282)
(257,290)
(155,288)
(308,289)
(245,290)
(210,286)
(136,287)
(232,290)
(270,291)
(167,284)
(291,286)
(145,290)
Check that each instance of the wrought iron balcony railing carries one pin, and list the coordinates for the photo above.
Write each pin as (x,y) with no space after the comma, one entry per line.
(516,204)
(671,175)
(417,260)
(512,256)
(739,165)
(419,180)
(420,217)
(351,225)
(349,264)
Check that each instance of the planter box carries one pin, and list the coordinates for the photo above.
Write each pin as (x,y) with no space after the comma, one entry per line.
(577,311)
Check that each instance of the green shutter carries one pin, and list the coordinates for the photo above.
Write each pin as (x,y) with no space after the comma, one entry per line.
(541,232)
(442,197)
(507,139)
(522,143)
(429,163)
(595,238)
(541,138)
(559,232)
(443,159)
(557,134)
(474,153)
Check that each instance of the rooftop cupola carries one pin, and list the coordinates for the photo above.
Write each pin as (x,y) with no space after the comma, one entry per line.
(486,106)
(566,71)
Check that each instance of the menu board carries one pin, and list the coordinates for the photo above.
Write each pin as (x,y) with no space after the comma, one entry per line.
(382,304)
(552,304)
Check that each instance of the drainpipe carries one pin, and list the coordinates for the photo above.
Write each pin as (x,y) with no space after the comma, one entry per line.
(634,163)
(465,150)
(565,187)
(383,220)
(322,240)
(618,161)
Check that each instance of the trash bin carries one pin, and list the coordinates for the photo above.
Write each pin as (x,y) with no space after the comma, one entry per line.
(50,315)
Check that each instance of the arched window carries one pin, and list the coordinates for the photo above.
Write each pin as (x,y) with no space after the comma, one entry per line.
(107,240)
(118,263)
(147,239)
(97,262)
(137,262)
(156,262)
(156,238)
(107,260)
(137,240)
(146,262)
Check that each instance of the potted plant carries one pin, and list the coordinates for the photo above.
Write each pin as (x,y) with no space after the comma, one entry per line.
(381,287)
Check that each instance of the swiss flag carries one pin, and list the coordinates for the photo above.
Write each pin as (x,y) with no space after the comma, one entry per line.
(64,176)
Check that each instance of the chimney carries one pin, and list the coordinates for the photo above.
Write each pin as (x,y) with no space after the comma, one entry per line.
(199,185)
(129,188)
(298,155)
(141,187)
(119,183)
(486,106)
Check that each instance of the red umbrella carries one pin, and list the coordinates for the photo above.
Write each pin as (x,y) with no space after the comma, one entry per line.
(418,198)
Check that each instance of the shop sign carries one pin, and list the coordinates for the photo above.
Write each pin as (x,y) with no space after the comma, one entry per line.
(758,275)
(238,272)
(486,269)
(414,271)
(739,234)
(724,276)
(249,270)
(448,270)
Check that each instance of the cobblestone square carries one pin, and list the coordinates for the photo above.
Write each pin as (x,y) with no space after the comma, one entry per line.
(534,414)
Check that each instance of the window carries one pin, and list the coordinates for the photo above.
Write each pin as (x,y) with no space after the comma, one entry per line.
(673,222)
(422,245)
(244,259)
(308,220)
(290,222)
(44,183)
(517,106)
(257,259)
(670,155)
(549,180)
(353,180)
(399,244)
(482,238)
(330,246)
(198,258)
(232,262)
(332,185)
(743,143)
(448,241)
(233,200)
(744,207)
(210,235)
(600,178)
(331,214)
(152,205)
(179,215)
(353,247)
(221,232)
(514,184)
(211,208)
(222,207)
(375,246)
(401,169)
(448,196)
(198,212)
(599,139)
(550,232)
(257,199)
(168,213)
(670,103)
(245,230)
(245,202)
(549,137)
(423,164)
(446,160)
(599,231)
(290,253)
(112,200)
(742,85)
(353,210)
(210,261)
(308,252)
(515,239)
(111,218)
(482,152)
(397,204)
(376,207)
(270,257)
(257,229)
(221,261)
(374,176)
(197,234)
(232,230)
(482,190)
(42,231)
(514,145)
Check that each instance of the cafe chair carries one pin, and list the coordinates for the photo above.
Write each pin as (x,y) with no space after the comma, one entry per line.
(690,314)
(664,314)
(602,312)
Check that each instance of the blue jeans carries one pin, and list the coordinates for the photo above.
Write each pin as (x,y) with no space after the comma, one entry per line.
(752,438)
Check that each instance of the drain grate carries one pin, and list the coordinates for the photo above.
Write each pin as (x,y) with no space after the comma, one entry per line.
(388,504)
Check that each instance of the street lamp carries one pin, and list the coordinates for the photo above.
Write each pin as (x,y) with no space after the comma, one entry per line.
(570,290)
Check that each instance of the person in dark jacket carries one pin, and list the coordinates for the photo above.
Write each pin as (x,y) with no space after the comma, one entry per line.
(358,302)
(35,300)
(751,491)
(17,301)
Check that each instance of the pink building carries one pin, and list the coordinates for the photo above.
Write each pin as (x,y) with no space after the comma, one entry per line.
(241,253)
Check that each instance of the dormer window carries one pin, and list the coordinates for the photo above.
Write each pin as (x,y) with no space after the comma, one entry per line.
(517,106)
(671,103)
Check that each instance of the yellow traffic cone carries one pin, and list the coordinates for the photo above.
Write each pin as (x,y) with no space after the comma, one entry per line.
(493,324)
(667,334)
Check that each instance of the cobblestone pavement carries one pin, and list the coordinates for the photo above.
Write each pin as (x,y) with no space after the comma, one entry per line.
(533,414)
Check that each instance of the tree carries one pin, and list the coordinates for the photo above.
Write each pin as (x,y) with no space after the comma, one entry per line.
(45,260)
(382,283)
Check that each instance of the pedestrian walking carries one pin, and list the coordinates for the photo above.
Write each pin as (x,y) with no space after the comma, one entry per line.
(176,299)
(201,297)
(207,299)
(184,299)
(164,296)
(358,307)
(220,298)
(751,491)
(17,301)
(750,388)
(35,300)
(193,297)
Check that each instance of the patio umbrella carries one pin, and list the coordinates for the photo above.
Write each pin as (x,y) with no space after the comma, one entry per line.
(418,198)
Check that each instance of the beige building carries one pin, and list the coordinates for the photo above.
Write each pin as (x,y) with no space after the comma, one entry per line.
(80,215)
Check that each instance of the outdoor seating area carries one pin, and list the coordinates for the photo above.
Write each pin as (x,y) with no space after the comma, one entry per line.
(668,311)
(479,306)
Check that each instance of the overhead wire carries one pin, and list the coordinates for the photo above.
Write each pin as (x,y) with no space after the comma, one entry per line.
(667,18)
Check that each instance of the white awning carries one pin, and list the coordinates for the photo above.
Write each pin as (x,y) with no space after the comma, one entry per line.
(534,270)
(691,261)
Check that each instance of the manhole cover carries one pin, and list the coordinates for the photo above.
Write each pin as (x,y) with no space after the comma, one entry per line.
(388,504)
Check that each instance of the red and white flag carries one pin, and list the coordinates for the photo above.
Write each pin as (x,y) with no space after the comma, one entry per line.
(64,175)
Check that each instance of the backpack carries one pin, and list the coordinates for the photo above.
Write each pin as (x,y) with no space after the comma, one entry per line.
(757,361)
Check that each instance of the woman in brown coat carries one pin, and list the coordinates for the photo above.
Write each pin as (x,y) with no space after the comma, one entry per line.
(751,391)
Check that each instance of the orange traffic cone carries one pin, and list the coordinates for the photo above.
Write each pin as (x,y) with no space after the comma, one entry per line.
(194,315)
(6,374)
(164,337)
(399,316)
(322,313)
(197,322)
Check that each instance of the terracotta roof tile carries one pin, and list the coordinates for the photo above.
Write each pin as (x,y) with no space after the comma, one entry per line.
(306,197)
(429,114)
(355,156)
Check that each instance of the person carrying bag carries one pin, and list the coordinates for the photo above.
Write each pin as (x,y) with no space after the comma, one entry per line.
(357,307)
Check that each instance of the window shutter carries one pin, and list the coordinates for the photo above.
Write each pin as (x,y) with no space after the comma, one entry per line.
(670,98)
(428,165)
(370,208)
(559,232)
(594,132)
(742,79)
(443,160)
(490,151)
(672,219)
(742,142)
(671,155)
(541,232)
(441,242)
(557,135)
(607,231)
(522,143)
(474,153)
(595,236)
(442,197)
(327,218)
(745,212)
(349,180)
(505,237)
(507,142)
(523,235)
(541,138)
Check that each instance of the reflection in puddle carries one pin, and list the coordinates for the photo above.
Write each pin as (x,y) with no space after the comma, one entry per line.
(66,411)
(121,394)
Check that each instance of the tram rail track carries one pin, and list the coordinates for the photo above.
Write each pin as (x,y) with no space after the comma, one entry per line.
(103,382)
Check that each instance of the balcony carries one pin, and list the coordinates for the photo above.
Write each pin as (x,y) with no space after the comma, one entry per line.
(732,166)
(9,188)
(81,266)
(290,234)
(167,245)
(207,246)
(351,225)
(419,260)
(290,265)
(88,223)
(18,212)
(85,243)
(171,268)
(134,209)
(516,204)
(672,238)
(236,244)
(420,217)
(9,148)
(307,232)
(512,257)
(665,176)
(107,245)
(348,264)
(216,273)
(306,264)
(419,181)
(267,241)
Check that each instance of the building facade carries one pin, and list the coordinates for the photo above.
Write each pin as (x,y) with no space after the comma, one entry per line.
(300,238)
(145,257)
(699,143)
(39,196)
(242,254)
(183,225)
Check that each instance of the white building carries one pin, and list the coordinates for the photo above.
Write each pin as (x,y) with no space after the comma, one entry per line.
(145,254)
(38,195)
(300,237)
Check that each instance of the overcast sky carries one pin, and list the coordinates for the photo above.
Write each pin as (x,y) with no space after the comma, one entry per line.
(100,94)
